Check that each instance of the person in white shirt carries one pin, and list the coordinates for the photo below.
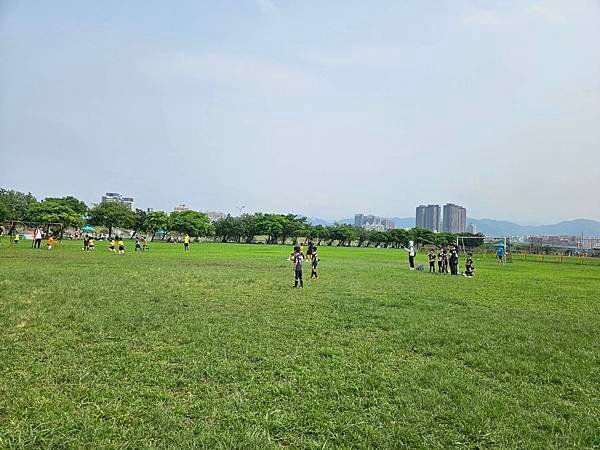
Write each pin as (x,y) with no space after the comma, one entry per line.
(37,237)
(411,254)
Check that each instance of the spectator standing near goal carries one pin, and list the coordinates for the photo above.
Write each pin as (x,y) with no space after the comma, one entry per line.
(37,237)
(500,254)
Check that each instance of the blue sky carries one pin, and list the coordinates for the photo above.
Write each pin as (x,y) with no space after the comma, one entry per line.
(323,108)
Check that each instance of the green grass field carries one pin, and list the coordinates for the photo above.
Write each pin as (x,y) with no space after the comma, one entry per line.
(215,349)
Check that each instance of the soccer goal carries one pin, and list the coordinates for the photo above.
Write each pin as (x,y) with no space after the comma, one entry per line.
(462,242)
(17,232)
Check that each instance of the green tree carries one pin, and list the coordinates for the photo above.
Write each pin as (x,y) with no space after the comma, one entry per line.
(111,215)
(156,221)
(139,223)
(193,223)
(78,206)
(17,204)
(54,210)
(249,227)
(228,228)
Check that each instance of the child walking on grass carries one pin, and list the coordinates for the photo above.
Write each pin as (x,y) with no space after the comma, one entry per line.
(297,261)
(121,246)
(314,262)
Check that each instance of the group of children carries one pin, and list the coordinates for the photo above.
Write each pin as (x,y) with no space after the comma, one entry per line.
(449,260)
(297,258)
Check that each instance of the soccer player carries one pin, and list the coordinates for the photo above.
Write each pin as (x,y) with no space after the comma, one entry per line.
(50,242)
(91,243)
(440,260)
(186,243)
(311,247)
(297,261)
(121,245)
(17,237)
(469,266)
(144,244)
(138,245)
(314,261)
(111,245)
(432,261)
(86,243)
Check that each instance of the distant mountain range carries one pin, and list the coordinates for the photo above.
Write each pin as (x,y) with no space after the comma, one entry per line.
(492,227)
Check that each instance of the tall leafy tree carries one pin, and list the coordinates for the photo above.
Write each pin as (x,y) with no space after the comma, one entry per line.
(53,210)
(112,215)
(78,206)
(193,223)
(156,221)
(18,204)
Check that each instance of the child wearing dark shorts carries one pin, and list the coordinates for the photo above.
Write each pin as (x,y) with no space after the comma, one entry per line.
(297,260)
(314,262)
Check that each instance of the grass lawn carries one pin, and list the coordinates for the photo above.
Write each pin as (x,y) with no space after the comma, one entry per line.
(215,349)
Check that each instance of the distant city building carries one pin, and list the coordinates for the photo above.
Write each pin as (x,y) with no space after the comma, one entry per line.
(116,197)
(472,228)
(149,210)
(215,215)
(429,217)
(455,218)
(373,223)
(181,208)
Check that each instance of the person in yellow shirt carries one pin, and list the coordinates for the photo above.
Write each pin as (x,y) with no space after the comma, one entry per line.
(111,245)
(17,237)
(121,245)
(50,242)
(91,244)
(186,243)
(145,244)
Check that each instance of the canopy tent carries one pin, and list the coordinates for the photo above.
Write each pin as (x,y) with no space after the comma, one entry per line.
(88,228)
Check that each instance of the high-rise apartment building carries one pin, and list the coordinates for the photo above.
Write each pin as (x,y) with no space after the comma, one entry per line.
(429,217)
(455,218)
(372,222)
(116,197)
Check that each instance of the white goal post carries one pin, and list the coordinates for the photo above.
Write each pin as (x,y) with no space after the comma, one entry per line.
(503,240)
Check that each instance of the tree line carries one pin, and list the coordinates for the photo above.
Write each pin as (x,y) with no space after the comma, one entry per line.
(248,228)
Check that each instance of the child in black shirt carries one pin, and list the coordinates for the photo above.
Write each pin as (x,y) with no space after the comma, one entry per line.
(432,261)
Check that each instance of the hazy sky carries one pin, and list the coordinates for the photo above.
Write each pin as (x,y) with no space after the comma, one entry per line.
(321,107)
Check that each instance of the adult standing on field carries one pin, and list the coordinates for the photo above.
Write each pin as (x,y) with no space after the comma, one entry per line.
(500,255)
(454,260)
(186,243)
(37,237)
(411,254)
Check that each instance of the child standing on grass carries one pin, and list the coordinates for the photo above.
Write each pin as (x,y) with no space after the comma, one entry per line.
(186,243)
(297,261)
(138,245)
(145,244)
(432,261)
(314,261)
(50,242)
(17,237)
(440,260)
(91,243)
(111,245)
(445,262)
(121,246)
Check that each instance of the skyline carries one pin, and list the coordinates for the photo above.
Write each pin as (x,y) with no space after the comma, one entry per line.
(320,109)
